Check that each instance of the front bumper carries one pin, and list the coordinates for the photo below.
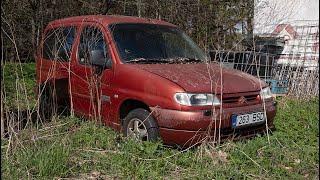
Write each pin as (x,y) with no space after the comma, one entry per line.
(190,127)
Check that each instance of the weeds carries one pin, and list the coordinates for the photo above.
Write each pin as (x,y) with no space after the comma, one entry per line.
(18,85)
(71,147)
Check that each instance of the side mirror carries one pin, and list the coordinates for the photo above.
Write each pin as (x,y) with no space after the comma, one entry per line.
(98,58)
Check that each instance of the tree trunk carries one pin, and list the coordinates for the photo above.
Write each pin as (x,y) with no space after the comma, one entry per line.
(33,33)
(2,110)
(139,7)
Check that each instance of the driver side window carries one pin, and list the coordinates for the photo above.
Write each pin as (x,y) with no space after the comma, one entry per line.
(91,39)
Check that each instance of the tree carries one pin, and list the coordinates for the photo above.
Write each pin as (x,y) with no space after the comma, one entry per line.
(211,23)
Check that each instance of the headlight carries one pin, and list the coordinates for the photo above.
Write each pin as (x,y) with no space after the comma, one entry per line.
(189,99)
(265,93)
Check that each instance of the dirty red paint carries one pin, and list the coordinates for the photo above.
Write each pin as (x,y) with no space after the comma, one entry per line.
(198,80)
(154,85)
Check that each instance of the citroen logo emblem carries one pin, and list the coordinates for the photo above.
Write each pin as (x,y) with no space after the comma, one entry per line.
(242,100)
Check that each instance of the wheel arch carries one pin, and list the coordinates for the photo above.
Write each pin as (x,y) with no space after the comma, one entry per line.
(128,105)
(60,88)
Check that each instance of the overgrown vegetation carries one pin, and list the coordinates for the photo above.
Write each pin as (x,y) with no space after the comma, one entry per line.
(18,81)
(212,24)
(72,147)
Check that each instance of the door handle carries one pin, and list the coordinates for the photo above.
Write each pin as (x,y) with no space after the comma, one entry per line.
(105,98)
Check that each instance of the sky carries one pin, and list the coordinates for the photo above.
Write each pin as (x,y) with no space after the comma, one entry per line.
(269,13)
(307,10)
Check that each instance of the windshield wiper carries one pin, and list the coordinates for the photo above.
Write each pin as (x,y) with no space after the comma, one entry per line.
(147,61)
(168,60)
(136,60)
(183,60)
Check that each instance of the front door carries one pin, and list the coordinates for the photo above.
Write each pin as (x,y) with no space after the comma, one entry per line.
(87,98)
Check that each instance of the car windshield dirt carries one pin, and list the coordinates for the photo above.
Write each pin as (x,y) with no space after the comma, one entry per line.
(150,43)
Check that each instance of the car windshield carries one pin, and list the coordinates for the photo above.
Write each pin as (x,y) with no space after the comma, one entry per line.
(150,43)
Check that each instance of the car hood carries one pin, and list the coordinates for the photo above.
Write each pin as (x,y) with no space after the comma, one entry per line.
(205,77)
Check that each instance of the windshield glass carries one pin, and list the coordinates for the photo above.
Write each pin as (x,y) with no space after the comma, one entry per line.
(154,43)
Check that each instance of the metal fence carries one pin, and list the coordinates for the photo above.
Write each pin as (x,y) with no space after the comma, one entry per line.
(291,68)
(299,78)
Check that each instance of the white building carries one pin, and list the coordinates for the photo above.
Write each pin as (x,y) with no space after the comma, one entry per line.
(297,22)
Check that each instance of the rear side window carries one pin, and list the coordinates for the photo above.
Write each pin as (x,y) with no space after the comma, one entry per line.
(58,43)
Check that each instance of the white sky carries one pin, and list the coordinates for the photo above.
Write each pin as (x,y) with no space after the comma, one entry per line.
(307,10)
(269,13)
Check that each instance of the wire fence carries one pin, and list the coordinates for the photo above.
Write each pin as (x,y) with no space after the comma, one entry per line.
(290,69)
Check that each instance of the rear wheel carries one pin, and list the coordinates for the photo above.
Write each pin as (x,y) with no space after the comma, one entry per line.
(47,104)
(140,125)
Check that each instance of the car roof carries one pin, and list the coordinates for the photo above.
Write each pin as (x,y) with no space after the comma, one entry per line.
(108,19)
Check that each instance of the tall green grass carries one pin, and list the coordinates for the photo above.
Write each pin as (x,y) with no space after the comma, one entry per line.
(71,147)
(17,85)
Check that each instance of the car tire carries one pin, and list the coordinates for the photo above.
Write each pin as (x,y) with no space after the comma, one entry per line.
(140,125)
(47,104)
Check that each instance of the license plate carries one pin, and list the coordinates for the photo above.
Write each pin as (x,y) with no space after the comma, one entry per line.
(247,119)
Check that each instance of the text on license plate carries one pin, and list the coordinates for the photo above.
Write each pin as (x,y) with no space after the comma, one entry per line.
(245,119)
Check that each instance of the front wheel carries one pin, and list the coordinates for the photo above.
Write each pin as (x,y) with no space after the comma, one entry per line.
(140,125)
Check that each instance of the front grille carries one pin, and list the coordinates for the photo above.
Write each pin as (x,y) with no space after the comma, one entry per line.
(241,99)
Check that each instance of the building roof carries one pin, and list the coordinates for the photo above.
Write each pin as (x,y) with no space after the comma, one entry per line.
(287,27)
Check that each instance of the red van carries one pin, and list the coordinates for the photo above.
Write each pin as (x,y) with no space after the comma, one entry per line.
(147,78)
